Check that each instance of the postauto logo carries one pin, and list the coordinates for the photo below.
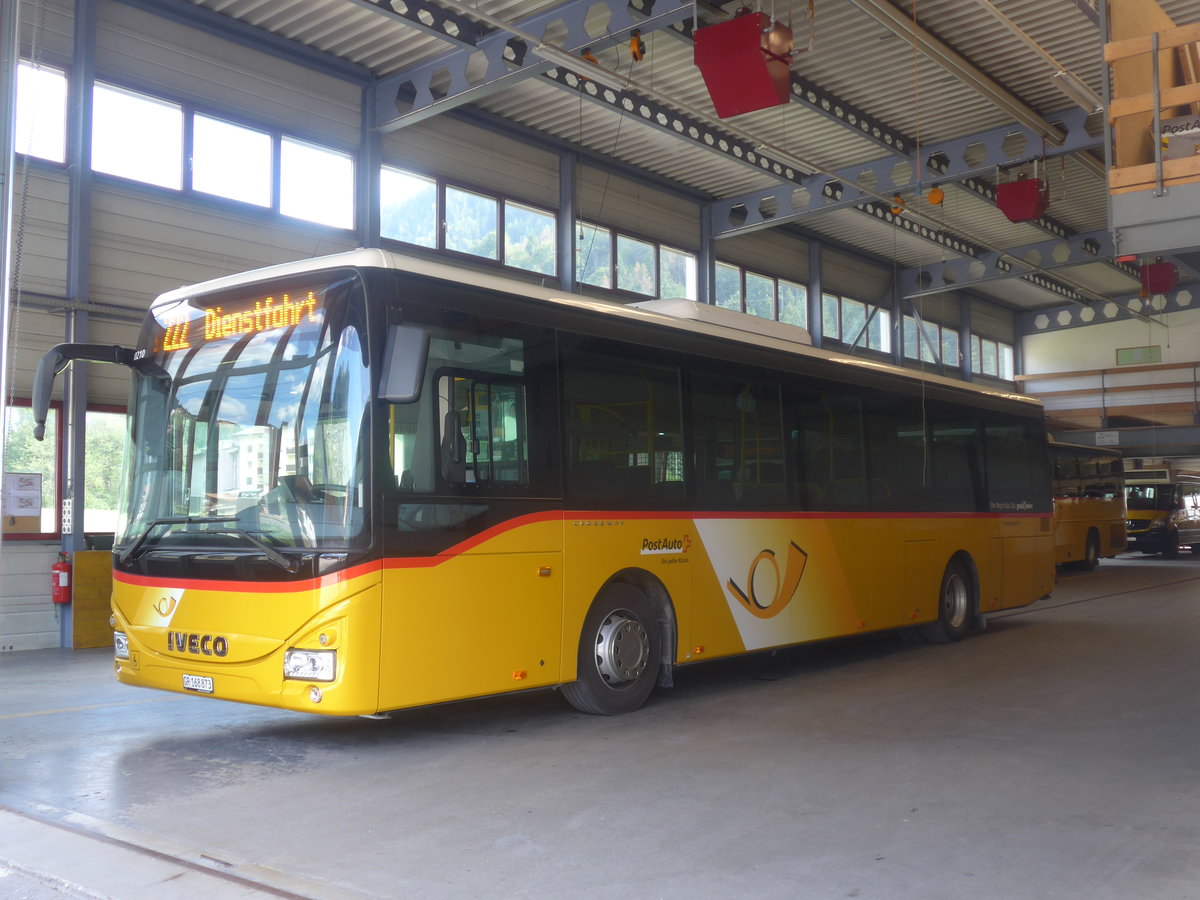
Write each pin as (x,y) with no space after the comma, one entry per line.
(664,546)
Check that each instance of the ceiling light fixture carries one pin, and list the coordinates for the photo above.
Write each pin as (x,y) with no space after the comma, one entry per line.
(1073,86)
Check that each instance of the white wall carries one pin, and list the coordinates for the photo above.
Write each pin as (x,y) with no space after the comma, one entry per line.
(1094,346)
(150,52)
(28,620)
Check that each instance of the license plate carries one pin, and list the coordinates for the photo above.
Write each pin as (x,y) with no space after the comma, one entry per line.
(201,683)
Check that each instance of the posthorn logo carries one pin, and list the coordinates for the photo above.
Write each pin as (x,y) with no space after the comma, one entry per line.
(780,585)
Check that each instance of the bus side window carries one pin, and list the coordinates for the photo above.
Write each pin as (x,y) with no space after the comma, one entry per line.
(1018,478)
(829,451)
(483,431)
(624,430)
(454,448)
(412,460)
(738,442)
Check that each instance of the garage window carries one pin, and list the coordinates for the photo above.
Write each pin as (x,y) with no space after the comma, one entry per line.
(137,137)
(41,112)
(231,161)
(316,184)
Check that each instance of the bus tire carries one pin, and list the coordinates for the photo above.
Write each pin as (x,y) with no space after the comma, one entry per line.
(619,652)
(956,606)
(1091,552)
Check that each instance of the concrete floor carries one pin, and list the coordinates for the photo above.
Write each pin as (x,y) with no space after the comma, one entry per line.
(1057,755)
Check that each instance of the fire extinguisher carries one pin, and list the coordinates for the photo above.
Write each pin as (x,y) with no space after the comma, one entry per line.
(60,579)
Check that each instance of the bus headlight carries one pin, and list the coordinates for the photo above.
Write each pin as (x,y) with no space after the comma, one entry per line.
(310,665)
(120,645)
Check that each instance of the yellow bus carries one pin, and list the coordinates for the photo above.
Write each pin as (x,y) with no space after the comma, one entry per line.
(1089,504)
(368,482)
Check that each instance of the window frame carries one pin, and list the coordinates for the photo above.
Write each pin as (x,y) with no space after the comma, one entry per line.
(55,412)
(438,212)
(616,236)
(870,312)
(108,409)
(64,72)
(1002,353)
(277,134)
(184,150)
(273,179)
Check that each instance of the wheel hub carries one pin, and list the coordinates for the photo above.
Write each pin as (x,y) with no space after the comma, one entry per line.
(622,649)
(955,602)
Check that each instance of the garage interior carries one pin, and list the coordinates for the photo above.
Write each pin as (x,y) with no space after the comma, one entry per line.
(961,187)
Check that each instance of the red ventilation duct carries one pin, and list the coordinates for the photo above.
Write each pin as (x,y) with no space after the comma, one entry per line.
(1023,200)
(745,63)
(1158,277)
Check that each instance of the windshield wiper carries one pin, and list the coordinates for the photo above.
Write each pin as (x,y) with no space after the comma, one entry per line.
(288,565)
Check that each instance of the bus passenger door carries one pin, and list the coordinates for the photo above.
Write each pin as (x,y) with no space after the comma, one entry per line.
(472,579)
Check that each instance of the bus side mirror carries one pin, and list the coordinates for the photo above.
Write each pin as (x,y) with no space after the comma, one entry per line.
(58,358)
(404,358)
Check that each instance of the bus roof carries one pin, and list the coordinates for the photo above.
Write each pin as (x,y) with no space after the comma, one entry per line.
(1087,448)
(680,315)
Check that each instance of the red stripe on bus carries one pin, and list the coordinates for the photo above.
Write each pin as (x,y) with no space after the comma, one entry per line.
(419,562)
(255,587)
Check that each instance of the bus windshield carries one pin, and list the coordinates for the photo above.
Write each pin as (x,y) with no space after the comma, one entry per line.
(1159,497)
(251,422)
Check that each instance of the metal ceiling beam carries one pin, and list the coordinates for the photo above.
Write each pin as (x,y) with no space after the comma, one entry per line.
(968,271)
(429,18)
(742,148)
(987,190)
(420,100)
(1113,309)
(973,253)
(1081,297)
(1053,227)
(697,131)
(952,160)
(419,93)
(1088,8)
(812,96)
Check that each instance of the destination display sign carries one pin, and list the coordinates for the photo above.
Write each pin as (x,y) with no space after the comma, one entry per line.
(188,326)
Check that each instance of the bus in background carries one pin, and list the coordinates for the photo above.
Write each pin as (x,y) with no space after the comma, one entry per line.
(1163,511)
(1089,504)
(369,482)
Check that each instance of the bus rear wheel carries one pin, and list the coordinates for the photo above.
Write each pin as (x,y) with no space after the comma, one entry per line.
(956,606)
(619,652)
(1091,552)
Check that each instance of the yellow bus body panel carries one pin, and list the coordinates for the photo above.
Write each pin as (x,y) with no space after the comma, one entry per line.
(1074,517)
(505,610)
(484,620)
(258,623)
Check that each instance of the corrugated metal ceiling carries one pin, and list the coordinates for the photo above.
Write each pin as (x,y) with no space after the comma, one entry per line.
(884,72)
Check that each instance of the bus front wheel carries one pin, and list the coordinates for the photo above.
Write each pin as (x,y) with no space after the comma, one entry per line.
(1171,547)
(956,605)
(619,652)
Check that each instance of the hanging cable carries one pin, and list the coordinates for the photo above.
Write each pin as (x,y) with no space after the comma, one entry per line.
(18,244)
